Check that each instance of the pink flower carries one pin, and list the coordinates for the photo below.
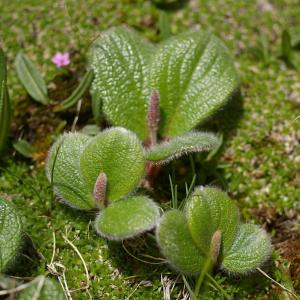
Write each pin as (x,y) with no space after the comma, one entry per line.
(61,59)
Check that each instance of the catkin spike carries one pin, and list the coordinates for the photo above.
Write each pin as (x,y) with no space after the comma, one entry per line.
(215,245)
(100,190)
(153,116)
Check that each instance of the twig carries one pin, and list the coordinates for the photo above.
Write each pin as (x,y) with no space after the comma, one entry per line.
(52,269)
(54,248)
(83,262)
(77,115)
(39,288)
(276,282)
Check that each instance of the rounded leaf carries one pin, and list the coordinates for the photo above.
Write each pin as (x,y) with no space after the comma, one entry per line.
(63,171)
(118,153)
(119,59)
(251,248)
(177,245)
(195,76)
(127,218)
(208,210)
(43,289)
(10,233)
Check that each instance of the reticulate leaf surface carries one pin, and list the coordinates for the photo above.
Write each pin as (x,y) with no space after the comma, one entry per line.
(118,153)
(193,73)
(208,210)
(195,76)
(65,175)
(176,243)
(43,289)
(119,58)
(182,145)
(10,233)
(127,218)
(251,248)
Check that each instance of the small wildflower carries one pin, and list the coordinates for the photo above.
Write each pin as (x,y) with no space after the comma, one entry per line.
(61,59)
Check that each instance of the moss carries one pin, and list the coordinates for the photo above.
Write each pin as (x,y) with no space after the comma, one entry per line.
(260,160)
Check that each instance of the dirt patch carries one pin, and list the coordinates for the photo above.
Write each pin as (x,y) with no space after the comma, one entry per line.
(287,235)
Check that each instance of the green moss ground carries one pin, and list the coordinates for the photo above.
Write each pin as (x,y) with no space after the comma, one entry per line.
(261,158)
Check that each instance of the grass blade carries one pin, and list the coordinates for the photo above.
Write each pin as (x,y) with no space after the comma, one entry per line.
(5,108)
(78,92)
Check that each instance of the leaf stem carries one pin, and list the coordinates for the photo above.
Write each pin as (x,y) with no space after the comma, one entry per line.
(204,272)
(276,282)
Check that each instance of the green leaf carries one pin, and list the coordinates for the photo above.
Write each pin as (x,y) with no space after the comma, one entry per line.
(78,92)
(90,129)
(118,153)
(96,103)
(119,59)
(195,76)
(10,233)
(3,71)
(250,250)
(31,78)
(24,148)
(5,108)
(164,25)
(295,40)
(127,218)
(63,171)
(177,245)
(176,147)
(286,47)
(207,211)
(43,289)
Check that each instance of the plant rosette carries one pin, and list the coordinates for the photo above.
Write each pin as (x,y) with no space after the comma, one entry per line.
(208,234)
(162,92)
(101,173)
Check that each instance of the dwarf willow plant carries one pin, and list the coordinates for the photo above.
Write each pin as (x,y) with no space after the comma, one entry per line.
(10,234)
(208,234)
(161,92)
(100,173)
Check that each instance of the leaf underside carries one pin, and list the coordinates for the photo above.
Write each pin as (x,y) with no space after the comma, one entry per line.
(10,233)
(193,73)
(207,211)
(182,145)
(31,78)
(67,181)
(127,218)
(119,59)
(249,251)
(118,153)
(177,245)
(47,289)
